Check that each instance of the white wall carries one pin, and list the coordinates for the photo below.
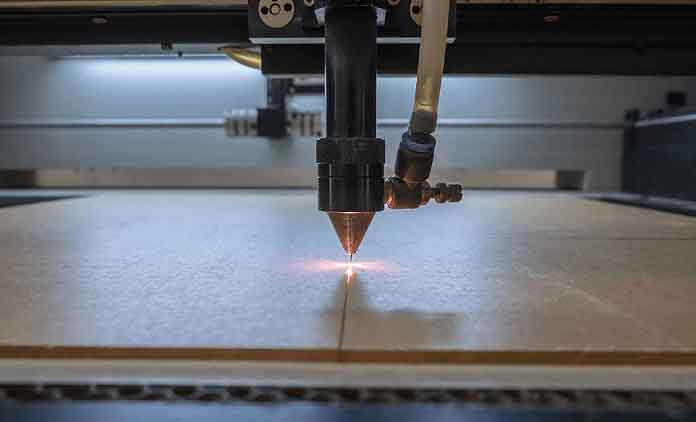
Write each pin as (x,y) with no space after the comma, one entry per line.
(37,89)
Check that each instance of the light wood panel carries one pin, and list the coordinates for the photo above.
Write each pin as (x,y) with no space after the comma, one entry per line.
(169,270)
(526,273)
(258,275)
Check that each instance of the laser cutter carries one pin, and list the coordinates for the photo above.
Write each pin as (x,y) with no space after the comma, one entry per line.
(575,302)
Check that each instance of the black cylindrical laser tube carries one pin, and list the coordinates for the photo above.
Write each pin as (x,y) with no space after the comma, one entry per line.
(351,158)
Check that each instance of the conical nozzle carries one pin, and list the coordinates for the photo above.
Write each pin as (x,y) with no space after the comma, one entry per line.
(351,228)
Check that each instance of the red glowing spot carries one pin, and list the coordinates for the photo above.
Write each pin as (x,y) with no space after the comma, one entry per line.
(320,266)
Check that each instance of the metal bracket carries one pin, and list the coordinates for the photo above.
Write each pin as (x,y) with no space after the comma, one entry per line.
(394,20)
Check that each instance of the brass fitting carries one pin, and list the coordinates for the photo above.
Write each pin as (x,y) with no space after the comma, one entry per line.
(399,194)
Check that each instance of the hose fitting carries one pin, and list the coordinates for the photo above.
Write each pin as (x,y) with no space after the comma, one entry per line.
(403,195)
(414,158)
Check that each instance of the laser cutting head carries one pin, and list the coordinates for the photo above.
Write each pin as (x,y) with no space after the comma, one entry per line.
(351,158)
(351,185)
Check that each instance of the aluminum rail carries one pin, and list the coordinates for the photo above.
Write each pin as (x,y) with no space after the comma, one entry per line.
(213,122)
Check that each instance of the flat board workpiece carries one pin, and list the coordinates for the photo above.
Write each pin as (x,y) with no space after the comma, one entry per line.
(499,278)
(172,271)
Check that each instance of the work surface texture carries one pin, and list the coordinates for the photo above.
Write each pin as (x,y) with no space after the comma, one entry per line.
(500,277)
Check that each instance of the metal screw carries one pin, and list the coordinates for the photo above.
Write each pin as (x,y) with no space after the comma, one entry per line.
(415,8)
(309,3)
(393,2)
